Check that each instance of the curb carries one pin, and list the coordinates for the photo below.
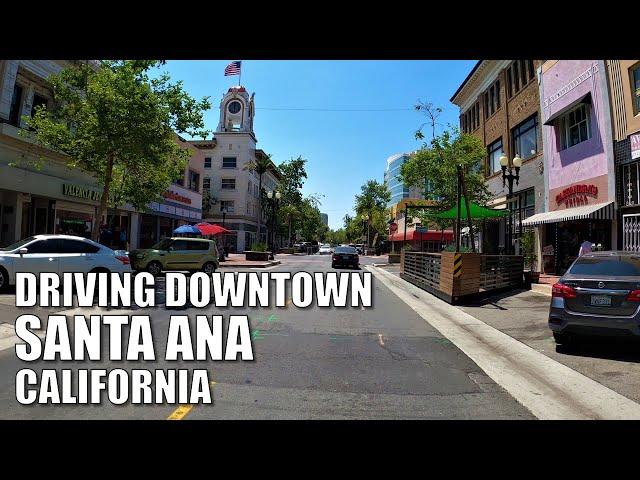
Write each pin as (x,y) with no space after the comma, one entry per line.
(252,265)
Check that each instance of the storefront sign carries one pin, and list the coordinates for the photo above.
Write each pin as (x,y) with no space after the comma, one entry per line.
(635,146)
(576,195)
(169,195)
(571,85)
(71,190)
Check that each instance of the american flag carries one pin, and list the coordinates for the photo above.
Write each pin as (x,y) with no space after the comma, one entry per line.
(232,69)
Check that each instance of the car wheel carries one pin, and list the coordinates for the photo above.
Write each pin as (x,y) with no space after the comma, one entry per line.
(154,268)
(562,338)
(4,280)
(209,268)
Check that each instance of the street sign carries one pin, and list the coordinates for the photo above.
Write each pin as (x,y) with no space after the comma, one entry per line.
(422,229)
(393,227)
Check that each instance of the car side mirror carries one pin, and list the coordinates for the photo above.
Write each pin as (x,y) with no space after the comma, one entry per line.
(23,250)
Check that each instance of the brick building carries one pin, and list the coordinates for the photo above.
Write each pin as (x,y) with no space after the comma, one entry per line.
(624,84)
(499,102)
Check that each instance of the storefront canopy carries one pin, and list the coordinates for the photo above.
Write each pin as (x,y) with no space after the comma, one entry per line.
(431,235)
(476,212)
(597,211)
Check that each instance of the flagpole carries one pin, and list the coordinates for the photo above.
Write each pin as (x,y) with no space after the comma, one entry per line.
(240,74)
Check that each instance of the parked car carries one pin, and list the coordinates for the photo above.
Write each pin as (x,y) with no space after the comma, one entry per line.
(58,254)
(345,256)
(325,249)
(192,254)
(599,295)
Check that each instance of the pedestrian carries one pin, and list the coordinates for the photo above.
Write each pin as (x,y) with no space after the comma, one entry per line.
(586,247)
(123,238)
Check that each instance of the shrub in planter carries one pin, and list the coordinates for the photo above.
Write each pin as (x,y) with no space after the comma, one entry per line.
(259,247)
(528,245)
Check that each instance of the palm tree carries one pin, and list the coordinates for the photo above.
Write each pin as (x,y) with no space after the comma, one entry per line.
(261,165)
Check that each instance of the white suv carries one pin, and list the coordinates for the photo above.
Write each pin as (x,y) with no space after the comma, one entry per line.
(58,254)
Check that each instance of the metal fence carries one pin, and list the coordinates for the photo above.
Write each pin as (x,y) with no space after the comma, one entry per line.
(501,271)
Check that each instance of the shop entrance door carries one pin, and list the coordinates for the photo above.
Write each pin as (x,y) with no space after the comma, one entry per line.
(631,232)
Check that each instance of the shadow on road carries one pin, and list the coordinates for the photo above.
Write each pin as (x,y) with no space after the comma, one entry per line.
(491,300)
(625,350)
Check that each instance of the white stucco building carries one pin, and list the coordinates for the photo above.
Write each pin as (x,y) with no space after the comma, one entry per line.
(232,185)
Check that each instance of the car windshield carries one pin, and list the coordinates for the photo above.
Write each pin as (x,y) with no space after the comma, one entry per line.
(345,250)
(17,245)
(163,244)
(624,265)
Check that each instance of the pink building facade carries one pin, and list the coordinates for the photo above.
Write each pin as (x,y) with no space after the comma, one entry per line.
(578,162)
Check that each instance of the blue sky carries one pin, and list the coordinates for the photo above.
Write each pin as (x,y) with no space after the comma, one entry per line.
(343,148)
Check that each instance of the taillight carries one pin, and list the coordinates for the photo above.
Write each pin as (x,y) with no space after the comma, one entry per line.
(634,296)
(124,259)
(562,291)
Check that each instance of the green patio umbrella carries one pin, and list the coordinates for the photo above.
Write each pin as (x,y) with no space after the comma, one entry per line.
(476,212)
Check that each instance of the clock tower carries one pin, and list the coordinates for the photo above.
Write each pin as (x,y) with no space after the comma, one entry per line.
(236,111)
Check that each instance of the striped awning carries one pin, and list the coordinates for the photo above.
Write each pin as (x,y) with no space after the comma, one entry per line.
(597,211)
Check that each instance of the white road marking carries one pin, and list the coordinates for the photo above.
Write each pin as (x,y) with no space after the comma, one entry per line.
(8,337)
(380,340)
(549,389)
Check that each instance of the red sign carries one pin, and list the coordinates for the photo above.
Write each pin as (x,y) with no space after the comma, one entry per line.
(393,227)
(177,197)
(577,195)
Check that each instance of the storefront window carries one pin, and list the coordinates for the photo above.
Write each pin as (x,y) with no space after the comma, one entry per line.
(635,87)
(574,126)
(495,151)
(522,207)
(525,138)
(73,223)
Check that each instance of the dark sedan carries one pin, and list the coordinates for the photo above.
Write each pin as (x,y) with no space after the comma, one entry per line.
(345,256)
(599,295)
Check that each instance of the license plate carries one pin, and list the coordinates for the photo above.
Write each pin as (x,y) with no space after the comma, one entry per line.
(601,300)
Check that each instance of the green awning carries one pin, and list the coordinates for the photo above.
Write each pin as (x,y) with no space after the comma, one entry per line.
(476,212)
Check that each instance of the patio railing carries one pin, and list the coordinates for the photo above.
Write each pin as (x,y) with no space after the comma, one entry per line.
(454,276)
(501,271)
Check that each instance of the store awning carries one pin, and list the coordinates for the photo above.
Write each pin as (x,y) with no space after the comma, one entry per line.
(597,211)
(433,235)
(586,98)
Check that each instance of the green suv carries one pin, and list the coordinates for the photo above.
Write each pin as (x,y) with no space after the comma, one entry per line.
(192,254)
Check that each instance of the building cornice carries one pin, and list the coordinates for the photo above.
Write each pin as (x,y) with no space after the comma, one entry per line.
(478,80)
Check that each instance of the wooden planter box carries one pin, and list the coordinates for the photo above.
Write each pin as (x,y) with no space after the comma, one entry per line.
(256,256)
(394,257)
(459,274)
(289,250)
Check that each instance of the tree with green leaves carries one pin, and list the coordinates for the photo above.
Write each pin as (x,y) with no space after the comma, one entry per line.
(261,165)
(119,124)
(294,174)
(371,205)
(438,161)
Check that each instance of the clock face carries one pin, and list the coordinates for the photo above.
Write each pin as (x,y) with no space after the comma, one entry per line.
(234,107)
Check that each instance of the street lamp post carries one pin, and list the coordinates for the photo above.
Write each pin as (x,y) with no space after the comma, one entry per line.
(274,199)
(507,179)
(367,219)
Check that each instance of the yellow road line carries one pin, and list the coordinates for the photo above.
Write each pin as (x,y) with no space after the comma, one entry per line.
(183,410)
(180,412)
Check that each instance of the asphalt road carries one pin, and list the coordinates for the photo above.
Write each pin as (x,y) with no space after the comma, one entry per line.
(385,362)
